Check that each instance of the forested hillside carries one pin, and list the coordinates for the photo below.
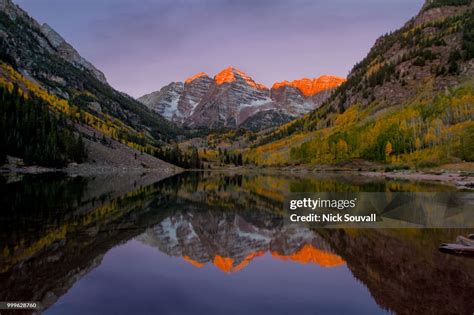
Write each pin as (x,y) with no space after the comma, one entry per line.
(40,53)
(31,131)
(409,102)
(53,99)
(33,117)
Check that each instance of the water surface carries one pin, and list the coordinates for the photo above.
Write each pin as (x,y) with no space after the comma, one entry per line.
(214,243)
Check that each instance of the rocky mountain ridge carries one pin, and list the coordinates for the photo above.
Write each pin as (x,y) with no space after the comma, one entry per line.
(66,51)
(38,66)
(233,99)
(45,58)
(49,39)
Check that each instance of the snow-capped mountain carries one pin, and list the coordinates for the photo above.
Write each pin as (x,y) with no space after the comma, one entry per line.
(230,100)
(302,96)
(165,101)
(233,99)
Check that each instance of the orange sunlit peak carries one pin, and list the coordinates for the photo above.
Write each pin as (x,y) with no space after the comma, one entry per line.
(225,76)
(194,77)
(310,87)
(228,76)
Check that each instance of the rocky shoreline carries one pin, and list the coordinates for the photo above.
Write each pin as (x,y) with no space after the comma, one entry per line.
(460,175)
(461,178)
(15,166)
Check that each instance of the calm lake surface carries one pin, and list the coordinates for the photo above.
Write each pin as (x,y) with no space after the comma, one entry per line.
(215,243)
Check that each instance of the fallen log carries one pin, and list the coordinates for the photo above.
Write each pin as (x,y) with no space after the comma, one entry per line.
(457,249)
(461,240)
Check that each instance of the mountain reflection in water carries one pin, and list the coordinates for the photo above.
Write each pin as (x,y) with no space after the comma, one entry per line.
(231,242)
(61,235)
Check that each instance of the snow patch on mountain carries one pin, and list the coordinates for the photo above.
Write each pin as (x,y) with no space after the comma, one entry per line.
(232,97)
(257,102)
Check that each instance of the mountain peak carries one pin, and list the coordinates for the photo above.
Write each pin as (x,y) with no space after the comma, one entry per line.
(196,76)
(310,87)
(227,75)
(231,74)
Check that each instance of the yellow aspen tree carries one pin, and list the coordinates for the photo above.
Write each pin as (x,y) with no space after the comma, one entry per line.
(430,137)
(388,150)
(417,144)
(342,148)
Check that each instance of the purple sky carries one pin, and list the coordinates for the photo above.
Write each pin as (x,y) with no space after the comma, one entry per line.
(143,45)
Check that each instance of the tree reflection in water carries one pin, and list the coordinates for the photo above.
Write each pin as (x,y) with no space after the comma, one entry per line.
(55,229)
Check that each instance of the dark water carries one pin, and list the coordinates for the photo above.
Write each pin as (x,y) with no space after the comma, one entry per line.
(215,243)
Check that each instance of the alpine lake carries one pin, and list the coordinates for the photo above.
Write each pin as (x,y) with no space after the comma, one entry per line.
(216,243)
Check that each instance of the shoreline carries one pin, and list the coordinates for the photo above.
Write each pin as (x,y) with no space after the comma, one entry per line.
(460,179)
(86,170)
(460,175)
